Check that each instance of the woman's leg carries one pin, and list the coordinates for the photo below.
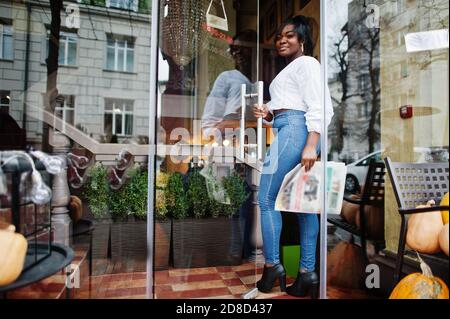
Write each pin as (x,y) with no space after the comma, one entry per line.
(284,154)
(309,229)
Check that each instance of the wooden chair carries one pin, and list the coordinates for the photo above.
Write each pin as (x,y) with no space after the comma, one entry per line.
(414,184)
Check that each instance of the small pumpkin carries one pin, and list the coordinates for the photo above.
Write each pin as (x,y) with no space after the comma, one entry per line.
(444,213)
(423,231)
(13,249)
(443,239)
(420,285)
(349,210)
(75,208)
(346,266)
(374,217)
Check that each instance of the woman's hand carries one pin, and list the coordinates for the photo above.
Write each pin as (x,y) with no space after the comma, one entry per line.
(309,157)
(260,110)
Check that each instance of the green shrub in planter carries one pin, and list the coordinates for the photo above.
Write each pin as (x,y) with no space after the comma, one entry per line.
(198,199)
(176,199)
(128,206)
(96,191)
(235,189)
(161,211)
(131,199)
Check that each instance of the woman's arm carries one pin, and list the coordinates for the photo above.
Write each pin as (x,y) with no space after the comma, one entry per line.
(309,154)
(262,111)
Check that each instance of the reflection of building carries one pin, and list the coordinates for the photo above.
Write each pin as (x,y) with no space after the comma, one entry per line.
(103,66)
(360,106)
(419,79)
(414,78)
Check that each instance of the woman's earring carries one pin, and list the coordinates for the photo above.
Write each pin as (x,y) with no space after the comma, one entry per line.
(302,49)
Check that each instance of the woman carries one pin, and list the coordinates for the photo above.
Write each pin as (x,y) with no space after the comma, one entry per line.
(296,107)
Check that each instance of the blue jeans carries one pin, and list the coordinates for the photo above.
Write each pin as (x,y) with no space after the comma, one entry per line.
(284,154)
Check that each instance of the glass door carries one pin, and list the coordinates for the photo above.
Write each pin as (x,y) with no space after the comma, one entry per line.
(205,225)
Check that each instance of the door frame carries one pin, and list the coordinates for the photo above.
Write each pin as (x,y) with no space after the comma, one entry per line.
(154,46)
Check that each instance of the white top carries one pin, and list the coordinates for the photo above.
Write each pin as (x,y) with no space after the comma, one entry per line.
(299,87)
(224,100)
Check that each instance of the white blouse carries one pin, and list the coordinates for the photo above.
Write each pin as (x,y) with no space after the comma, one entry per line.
(298,87)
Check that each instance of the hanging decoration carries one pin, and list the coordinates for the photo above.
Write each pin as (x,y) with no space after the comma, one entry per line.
(216,21)
(181,29)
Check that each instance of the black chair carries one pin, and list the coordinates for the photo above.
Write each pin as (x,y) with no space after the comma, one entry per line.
(373,194)
(414,184)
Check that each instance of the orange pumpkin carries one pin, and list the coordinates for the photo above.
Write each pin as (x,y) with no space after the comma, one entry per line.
(349,211)
(346,266)
(374,217)
(444,213)
(75,208)
(420,286)
(423,231)
(443,239)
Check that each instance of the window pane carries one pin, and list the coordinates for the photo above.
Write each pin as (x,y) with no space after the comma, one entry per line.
(110,41)
(62,49)
(7,47)
(118,123)
(130,60)
(72,54)
(120,64)
(108,105)
(108,123)
(110,59)
(128,124)
(70,116)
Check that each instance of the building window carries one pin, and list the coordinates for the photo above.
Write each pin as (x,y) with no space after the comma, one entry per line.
(118,117)
(123,4)
(6,42)
(66,111)
(404,69)
(363,110)
(400,38)
(5,100)
(67,48)
(363,82)
(120,54)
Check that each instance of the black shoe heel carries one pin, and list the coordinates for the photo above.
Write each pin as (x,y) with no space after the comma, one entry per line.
(282,280)
(269,276)
(306,283)
(314,291)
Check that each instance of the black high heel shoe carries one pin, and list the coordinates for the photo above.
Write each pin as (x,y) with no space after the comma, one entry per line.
(306,283)
(270,274)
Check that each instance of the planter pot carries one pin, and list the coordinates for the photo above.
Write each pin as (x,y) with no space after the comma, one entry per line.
(163,236)
(206,242)
(129,240)
(101,238)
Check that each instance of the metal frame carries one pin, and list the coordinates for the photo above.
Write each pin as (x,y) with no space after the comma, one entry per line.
(324,149)
(152,147)
(373,195)
(413,185)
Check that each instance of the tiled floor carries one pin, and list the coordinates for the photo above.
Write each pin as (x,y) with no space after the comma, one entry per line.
(128,279)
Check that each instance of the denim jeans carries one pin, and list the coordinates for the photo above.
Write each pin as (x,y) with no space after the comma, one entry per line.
(283,155)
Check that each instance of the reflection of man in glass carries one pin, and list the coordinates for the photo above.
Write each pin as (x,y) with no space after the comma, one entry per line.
(224,101)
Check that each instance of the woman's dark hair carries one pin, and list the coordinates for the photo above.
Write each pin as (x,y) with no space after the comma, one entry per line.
(303,28)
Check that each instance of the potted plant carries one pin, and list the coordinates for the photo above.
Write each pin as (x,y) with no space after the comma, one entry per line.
(163,224)
(128,207)
(210,237)
(96,192)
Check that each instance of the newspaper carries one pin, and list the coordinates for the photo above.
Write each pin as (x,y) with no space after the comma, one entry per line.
(300,192)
